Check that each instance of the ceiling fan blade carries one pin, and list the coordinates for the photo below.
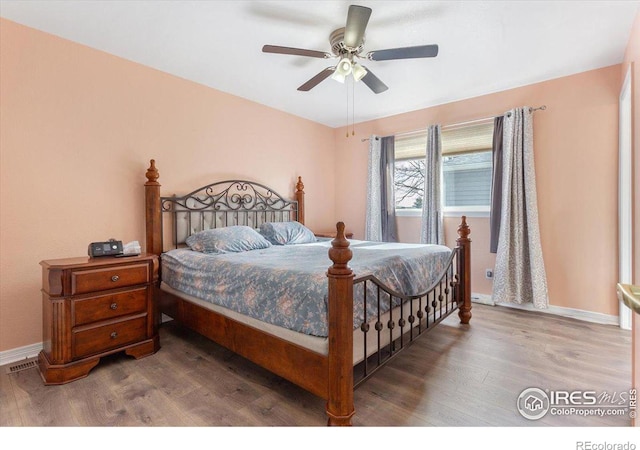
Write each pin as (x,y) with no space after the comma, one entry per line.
(357,19)
(420,51)
(316,80)
(294,51)
(374,82)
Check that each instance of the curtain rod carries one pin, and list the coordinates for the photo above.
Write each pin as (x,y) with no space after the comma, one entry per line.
(541,108)
(508,114)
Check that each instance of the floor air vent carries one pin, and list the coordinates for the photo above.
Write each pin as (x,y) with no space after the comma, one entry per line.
(22,365)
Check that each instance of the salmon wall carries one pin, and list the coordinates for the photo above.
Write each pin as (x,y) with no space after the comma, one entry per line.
(576,148)
(79,127)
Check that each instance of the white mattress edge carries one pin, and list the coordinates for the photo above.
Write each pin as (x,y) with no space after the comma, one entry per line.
(313,343)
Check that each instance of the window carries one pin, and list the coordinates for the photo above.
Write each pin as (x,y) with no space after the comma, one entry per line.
(466,169)
(467,179)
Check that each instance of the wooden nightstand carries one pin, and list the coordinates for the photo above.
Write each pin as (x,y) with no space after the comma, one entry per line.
(332,234)
(92,307)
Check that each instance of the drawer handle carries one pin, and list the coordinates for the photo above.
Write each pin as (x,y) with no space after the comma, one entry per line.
(114,335)
(115,278)
(114,306)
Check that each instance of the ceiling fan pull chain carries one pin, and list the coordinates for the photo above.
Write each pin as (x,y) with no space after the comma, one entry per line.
(353,108)
(347,91)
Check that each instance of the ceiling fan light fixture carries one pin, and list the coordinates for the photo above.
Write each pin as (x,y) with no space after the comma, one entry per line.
(359,72)
(343,69)
(344,66)
(338,76)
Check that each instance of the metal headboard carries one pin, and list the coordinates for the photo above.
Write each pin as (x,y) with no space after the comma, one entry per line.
(226,203)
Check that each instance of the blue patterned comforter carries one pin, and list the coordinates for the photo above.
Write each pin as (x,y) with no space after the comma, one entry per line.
(287,285)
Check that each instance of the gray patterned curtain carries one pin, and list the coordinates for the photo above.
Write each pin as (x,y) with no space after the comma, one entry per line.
(432,226)
(373,221)
(519,274)
(380,223)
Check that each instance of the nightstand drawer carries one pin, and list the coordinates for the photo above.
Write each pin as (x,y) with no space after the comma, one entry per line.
(91,341)
(104,307)
(83,281)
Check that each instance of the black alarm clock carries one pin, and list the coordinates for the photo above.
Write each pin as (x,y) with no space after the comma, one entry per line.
(109,248)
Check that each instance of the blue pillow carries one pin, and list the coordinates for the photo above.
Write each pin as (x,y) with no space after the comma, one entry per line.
(233,239)
(287,233)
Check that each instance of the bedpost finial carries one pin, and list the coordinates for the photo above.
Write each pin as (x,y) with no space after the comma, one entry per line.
(152,173)
(463,229)
(340,253)
(299,185)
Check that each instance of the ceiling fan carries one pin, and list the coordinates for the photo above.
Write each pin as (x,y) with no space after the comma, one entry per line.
(347,45)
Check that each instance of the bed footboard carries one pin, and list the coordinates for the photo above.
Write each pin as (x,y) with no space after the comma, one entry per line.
(340,407)
(464,272)
(415,315)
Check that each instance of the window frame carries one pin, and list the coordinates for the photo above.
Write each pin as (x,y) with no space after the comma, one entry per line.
(452,211)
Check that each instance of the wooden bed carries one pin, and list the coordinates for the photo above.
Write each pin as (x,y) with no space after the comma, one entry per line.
(331,376)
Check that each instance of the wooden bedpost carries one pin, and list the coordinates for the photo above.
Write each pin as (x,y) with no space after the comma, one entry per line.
(153,210)
(299,196)
(340,377)
(464,271)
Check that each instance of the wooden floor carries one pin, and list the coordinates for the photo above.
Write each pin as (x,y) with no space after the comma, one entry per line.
(453,376)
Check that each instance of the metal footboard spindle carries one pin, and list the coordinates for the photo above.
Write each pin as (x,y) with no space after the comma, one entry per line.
(416,314)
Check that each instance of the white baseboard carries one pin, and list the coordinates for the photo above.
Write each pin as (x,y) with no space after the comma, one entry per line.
(483,299)
(18,354)
(579,314)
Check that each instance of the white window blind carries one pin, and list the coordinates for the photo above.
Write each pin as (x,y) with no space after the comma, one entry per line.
(470,137)
(462,138)
(411,145)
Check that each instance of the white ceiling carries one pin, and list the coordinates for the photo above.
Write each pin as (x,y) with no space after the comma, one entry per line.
(485,46)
